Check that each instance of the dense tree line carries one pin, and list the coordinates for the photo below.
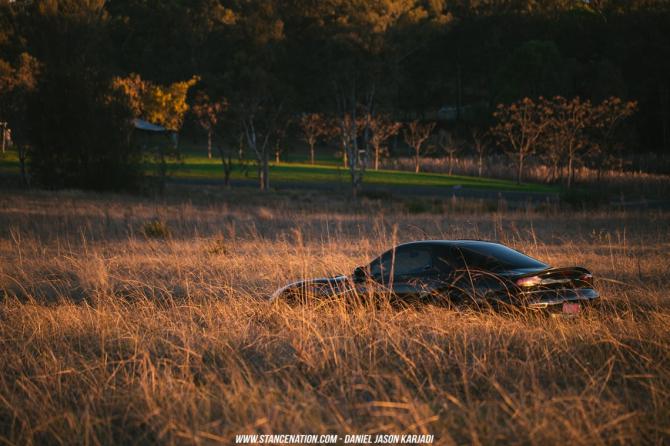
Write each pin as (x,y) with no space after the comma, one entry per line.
(67,67)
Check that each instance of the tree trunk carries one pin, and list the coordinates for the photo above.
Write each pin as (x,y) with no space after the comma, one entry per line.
(417,161)
(554,171)
(451,163)
(520,172)
(311,153)
(376,157)
(22,163)
(265,173)
(209,144)
(227,167)
(226,163)
(570,158)
(479,167)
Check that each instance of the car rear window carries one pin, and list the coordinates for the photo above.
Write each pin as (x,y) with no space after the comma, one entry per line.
(493,256)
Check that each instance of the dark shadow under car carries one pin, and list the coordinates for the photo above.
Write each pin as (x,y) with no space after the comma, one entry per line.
(457,272)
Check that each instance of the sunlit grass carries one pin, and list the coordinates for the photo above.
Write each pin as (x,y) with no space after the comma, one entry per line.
(112,336)
(202,168)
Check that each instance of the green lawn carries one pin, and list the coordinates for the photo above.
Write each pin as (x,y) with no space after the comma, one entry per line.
(9,162)
(200,167)
(194,166)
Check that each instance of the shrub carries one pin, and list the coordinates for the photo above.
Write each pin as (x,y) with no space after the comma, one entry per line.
(155,229)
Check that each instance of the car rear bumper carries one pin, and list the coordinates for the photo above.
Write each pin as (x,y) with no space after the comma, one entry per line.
(548,298)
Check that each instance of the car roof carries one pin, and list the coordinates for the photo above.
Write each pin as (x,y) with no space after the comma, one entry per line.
(458,243)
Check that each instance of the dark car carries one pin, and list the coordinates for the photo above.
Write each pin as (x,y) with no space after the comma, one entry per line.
(456,272)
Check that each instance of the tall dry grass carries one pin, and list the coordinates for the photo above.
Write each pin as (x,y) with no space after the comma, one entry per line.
(113,337)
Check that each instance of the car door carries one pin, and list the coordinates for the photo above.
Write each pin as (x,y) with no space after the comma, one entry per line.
(473,278)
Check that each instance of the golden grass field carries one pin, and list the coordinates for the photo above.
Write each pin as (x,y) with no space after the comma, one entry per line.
(112,337)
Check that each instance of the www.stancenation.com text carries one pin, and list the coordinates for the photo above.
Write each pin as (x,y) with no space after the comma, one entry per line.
(334,439)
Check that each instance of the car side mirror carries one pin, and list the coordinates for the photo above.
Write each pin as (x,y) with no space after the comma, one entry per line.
(360,274)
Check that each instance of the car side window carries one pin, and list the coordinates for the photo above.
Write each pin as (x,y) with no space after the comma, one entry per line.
(412,261)
(405,261)
(380,268)
(444,262)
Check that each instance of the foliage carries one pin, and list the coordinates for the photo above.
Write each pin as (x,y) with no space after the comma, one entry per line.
(409,58)
(156,229)
(167,105)
(80,135)
(17,84)
(161,105)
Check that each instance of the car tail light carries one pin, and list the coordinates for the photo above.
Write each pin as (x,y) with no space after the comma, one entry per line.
(529,281)
(588,278)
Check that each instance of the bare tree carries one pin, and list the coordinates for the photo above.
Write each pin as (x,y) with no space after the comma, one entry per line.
(415,135)
(520,126)
(258,120)
(480,142)
(349,129)
(280,132)
(567,125)
(381,129)
(208,114)
(313,126)
(352,122)
(226,162)
(340,128)
(449,145)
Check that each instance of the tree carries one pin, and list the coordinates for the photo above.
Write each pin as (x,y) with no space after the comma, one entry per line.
(255,80)
(480,143)
(79,133)
(259,121)
(608,118)
(348,127)
(449,145)
(158,104)
(281,130)
(416,134)
(520,126)
(78,125)
(568,122)
(161,105)
(166,105)
(17,85)
(577,128)
(381,129)
(360,60)
(313,126)
(210,116)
